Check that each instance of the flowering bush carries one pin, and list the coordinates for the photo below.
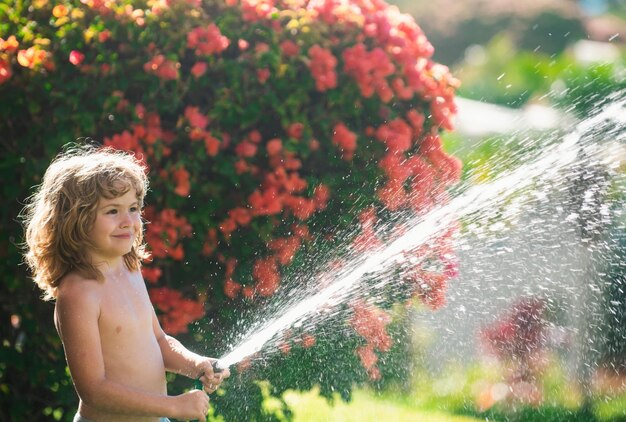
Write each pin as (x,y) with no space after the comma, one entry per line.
(518,340)
(264,124)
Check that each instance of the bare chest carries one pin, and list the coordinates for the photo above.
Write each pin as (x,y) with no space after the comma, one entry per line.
(125,309)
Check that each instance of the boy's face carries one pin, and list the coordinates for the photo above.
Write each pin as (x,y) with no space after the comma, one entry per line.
(117,225)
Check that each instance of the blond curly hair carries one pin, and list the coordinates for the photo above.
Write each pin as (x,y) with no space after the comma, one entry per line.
(59,216)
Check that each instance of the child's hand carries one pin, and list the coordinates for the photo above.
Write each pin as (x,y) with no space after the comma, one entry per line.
(211,380)
(193,405)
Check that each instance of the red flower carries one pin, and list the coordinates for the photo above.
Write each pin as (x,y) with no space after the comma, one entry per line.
(231,264)
(345,140)
(255,10)
(393,195)
(165,231)
(207,41)
(243,44)
(284,181)
(396,167)
(248,292)
(255,136)
(59,11)
(177,312)
(242,166)
(181,179)
(5,71)
(370,323)
(451,169)
(443,110)
(284,347)
(291,162)
(301,208)
(366,240)
(289,48)
(199,69)
(231,288)
(266,202)
(31,58)
(76,57)
(367,356)
(416,120)
(265,272)
(161,67)
(518,333)
(212,145)
(402,91)
(396,134)
(321,194)
(368,218)
(228,226)
(370,70)
(246,149)
(430,287)
(195,118)
(301,231)
(274,146)
(104,36)
(177,253)
(295,130)
(374,374)
(314,145)
(261,48)
(336,11)
(10,45)
(422,186)
(140,111)
(307,341)
(263,75)
(285,248)
(431,144)
(240,215)
(322,67)
(127,142)
(101,6)
(152,274)
(210,243)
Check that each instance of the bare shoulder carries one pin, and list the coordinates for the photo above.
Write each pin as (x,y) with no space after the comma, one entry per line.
(74,286)
(76,296)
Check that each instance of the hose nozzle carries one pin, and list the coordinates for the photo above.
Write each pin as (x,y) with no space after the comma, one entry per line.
(219,366)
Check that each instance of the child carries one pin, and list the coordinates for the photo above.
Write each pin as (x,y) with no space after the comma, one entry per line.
(85,245)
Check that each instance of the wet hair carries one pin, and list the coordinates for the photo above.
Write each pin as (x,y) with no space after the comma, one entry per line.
(61,213)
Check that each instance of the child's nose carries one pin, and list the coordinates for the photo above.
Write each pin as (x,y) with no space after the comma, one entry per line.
(126,220)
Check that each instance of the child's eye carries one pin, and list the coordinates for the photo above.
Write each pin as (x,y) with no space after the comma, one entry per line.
(134,209)
(113,211)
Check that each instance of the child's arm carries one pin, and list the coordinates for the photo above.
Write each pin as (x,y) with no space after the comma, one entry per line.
(180,360)
(77,311)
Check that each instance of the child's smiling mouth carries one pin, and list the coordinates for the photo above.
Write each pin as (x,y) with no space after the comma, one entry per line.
(123,236)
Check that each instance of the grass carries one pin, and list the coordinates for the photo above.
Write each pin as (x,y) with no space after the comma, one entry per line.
(452,397)
(364,407)
(611,410)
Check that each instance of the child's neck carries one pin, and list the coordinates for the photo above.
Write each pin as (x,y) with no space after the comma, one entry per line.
(110,267)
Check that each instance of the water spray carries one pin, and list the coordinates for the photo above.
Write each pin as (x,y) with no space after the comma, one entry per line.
(555,159)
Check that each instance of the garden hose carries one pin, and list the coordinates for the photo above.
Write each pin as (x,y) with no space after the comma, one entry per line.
(217,368)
